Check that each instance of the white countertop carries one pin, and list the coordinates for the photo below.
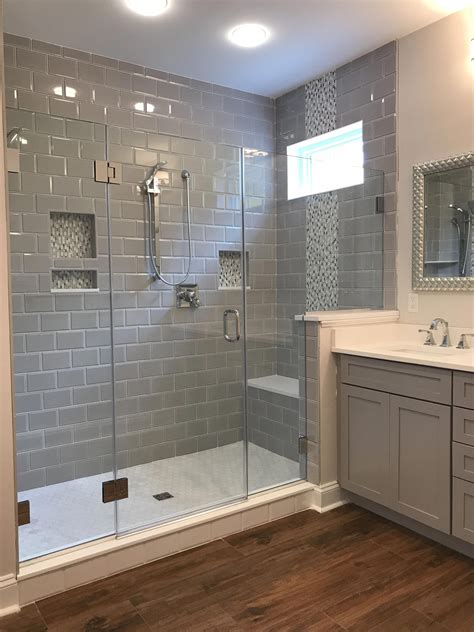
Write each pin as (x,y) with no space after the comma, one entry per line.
(442,358)
(402,343)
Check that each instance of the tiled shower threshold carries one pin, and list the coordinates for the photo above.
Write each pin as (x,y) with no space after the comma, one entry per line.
(89,562)
(71,513)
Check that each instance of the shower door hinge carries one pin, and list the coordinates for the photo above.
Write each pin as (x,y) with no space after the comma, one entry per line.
(379,204)
(303,444)
(106,171)
(116,489)
(23,512)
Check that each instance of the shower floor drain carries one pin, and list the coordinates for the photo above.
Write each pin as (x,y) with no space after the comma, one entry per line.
(163,496)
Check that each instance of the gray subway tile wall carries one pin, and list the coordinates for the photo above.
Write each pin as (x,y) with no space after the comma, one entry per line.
(291,236)
(366,90)
(178,386)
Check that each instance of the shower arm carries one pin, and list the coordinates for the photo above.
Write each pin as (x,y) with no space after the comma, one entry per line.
(152,192)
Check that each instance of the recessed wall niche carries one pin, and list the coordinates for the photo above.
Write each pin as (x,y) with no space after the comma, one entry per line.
(230,269)
(72,235)
(66,280)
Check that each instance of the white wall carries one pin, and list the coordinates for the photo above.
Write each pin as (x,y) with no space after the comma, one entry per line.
(8,531)
(435,120)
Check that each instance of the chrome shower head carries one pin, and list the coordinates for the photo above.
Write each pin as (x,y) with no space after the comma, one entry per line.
(14,135)
(464,212)
(154,171)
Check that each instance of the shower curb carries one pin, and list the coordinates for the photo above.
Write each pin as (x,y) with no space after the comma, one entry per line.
(87,563)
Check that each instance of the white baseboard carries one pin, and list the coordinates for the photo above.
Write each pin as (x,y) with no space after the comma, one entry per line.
(9,595)
(328,496)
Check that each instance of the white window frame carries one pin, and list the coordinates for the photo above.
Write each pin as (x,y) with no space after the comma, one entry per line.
(328,162)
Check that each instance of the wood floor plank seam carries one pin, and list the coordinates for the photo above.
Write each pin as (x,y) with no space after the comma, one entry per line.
(443,627)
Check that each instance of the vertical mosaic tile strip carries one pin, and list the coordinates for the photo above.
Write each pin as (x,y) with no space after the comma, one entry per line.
(72,235)
(230,269)
(73,279)
(322,209)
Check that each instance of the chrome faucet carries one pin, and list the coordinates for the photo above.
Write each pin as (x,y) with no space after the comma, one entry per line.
(187,296)
(462,344)
(434,326)
(429,340)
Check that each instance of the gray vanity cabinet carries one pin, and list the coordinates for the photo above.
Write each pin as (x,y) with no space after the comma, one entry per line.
(420,468)
(395,437)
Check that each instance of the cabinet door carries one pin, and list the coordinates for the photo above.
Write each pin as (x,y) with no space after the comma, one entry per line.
(365,442)
(420,461)
(463,510)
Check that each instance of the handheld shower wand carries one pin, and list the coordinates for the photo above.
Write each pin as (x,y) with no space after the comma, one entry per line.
(465,238)
(150,185)
(151,189)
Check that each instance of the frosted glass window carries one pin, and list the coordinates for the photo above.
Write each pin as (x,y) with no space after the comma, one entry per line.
(326,163)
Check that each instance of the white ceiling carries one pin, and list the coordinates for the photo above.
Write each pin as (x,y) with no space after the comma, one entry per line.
(308,37)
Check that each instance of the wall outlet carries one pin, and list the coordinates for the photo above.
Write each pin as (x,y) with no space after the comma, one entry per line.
(412,302)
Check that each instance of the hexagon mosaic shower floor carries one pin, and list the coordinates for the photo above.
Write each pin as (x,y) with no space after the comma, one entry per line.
(71,513)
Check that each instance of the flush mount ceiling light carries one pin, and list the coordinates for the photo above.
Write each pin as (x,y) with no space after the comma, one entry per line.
(147,7)
(248,35)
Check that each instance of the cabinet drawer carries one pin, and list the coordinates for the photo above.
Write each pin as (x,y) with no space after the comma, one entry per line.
(463,461)
(410,380)
(463,390)
(463,425)
(463,510)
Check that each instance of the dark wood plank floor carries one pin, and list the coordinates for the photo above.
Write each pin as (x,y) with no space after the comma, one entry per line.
(343,570)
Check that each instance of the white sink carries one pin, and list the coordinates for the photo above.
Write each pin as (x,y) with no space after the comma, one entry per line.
(430,350)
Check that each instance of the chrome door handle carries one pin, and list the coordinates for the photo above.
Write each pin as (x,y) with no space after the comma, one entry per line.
(227,313)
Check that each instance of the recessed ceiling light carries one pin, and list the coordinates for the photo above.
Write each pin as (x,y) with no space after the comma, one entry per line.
(248,35)
(147,7)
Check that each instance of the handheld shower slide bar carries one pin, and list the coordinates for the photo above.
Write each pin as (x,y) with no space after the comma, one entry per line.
(151,189)
(464,236)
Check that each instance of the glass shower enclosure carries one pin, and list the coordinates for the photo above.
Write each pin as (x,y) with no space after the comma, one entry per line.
(134,407)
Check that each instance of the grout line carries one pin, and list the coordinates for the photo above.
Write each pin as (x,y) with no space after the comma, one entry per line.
(40,614)
(148,626)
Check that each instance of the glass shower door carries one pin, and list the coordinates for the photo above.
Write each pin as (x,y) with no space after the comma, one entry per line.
(276,295)
(60,297)
(179,368)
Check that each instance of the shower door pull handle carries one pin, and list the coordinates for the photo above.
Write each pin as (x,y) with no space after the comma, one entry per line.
(227,313)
